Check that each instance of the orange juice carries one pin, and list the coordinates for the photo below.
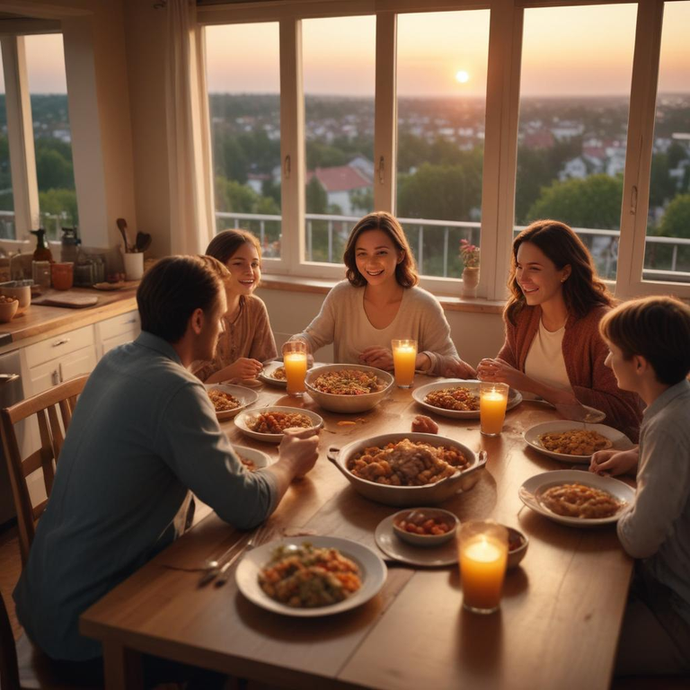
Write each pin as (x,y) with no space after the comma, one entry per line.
(404,358)
(493,399)
(295,371)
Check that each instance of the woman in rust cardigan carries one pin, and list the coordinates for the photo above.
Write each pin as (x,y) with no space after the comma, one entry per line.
(553,349)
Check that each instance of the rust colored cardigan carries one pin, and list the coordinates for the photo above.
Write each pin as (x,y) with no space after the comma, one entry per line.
(584,352)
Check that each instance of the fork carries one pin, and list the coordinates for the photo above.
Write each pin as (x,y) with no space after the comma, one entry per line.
(259,537)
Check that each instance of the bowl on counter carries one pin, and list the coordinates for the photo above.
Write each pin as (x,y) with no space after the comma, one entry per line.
(20,290)
(8,308)
(408,496)
(348,404)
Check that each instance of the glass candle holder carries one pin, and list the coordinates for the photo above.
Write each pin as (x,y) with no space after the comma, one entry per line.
(404,358)
(483,555)
(295,362)
(493,400)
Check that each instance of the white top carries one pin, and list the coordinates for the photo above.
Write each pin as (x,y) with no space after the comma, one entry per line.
(343,322)
(544,362)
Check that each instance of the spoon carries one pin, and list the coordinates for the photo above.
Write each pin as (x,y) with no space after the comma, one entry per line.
(122,227)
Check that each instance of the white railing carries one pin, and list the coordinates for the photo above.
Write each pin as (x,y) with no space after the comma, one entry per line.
(51,222)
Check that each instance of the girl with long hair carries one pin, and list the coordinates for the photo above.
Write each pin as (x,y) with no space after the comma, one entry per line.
(247,340)
(553,349)
(380,301)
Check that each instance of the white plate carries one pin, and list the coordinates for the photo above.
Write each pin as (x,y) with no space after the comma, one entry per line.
(618,438)
(529,491)
(514,397)
(242,420)
(266,374)
(246,396)
(425,556)
(258,457)
(372,571)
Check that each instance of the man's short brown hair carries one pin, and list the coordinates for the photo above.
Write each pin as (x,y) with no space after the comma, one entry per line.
(173,289)
(656,328)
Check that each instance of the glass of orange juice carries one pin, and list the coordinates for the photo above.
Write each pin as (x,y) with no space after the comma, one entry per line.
(295,363)
(483,556)
(493,400)
(404,358)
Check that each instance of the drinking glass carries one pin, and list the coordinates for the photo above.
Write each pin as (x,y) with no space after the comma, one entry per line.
(483,555)
(404,358)
(493,400)
(295,362)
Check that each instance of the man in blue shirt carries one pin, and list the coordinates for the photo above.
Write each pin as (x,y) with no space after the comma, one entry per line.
(144,432)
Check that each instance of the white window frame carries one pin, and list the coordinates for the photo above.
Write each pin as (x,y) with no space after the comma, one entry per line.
(501,130)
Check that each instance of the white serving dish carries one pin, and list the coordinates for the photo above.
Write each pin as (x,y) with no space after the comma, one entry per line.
(244,418)
(246,396)
(373,573)
(408,496)
(258,457)
(531,489)
(348,404)
(514,398)
(619,440)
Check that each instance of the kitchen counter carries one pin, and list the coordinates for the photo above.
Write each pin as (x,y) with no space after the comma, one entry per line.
(39,321)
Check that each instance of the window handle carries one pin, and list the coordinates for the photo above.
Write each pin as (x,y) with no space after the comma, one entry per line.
(382,170)
(633,200)
(286,168)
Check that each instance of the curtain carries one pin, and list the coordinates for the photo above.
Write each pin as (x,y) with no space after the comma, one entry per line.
(192,217)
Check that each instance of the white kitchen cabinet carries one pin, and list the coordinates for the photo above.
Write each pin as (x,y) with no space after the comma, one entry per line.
(117,331)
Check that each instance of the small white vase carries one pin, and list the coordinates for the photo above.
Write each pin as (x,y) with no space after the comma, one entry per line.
(470,281)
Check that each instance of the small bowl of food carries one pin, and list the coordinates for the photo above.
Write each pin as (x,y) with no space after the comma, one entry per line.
(229,399)
(425,526)
(517,546)
(251,458)
(348,388)
(8,308)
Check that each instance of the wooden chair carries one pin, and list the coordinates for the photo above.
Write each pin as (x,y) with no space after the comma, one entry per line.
(45,406)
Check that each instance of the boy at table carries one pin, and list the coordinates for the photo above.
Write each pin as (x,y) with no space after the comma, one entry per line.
(649,342)
(144,433)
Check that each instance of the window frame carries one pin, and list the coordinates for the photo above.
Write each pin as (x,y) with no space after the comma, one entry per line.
(501,131)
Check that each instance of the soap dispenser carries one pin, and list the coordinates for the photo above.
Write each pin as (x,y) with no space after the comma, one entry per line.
(42,251)
(69,245)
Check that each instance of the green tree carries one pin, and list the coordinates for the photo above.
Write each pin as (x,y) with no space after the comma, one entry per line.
(233,197)
(362,200)
(53,171)
(57,201)
(676,219)
(592,202)
(316,197)
(662,187)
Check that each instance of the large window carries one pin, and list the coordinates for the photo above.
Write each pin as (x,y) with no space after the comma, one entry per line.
(668,226)
(7,229)
(339,73)
(442,67)
(574,104)
(244,105)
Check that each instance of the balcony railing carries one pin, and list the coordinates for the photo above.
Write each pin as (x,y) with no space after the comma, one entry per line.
(52,222)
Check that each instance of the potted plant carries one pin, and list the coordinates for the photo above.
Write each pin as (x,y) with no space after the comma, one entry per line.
(469,255)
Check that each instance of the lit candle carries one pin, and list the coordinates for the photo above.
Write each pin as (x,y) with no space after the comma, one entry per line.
(404,358)
(483,558)
(295,370)
(493,399)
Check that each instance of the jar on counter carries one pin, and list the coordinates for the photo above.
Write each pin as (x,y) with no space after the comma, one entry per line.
(40,271)
(63,275)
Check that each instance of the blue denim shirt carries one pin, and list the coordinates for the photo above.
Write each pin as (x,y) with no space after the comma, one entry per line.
(144,432)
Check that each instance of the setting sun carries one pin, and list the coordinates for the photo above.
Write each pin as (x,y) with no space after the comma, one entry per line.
(462,77)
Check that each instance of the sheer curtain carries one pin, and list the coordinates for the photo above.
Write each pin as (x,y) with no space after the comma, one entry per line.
(189,148)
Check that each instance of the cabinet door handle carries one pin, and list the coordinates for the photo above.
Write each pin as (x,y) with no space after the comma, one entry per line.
(56,377)
(132,320)
(57,343)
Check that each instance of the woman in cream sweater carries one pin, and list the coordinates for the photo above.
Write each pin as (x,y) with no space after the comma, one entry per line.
(379,301)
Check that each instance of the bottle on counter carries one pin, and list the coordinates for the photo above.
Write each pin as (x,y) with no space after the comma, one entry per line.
(42,251)
(69,245)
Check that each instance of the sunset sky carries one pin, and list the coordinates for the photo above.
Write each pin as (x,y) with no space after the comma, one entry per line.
(566,51)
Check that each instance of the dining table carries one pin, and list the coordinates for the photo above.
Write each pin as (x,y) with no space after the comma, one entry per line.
(557,626)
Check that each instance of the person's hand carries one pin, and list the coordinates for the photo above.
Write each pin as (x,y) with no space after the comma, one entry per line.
(499,371)
(610,463)
(299,449)
(459,369)
(379,357)
(424,425)
(243,368)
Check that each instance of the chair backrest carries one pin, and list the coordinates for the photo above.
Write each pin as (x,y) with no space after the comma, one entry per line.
(45,406)
(9,671)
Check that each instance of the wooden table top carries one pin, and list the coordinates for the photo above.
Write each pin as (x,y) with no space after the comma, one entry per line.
(557,628)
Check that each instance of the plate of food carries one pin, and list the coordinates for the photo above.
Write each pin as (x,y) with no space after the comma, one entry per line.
(348,388)
(575,442)
(269,423)
(456,398)
(229,399)
(342,575)
(251,458)
(576,498)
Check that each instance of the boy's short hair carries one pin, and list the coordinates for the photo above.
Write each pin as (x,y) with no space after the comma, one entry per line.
(658,329)
(173,289)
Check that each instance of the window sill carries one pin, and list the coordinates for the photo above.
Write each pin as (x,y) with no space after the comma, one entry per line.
(322,287)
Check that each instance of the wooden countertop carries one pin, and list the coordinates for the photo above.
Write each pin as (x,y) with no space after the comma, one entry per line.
(40,320)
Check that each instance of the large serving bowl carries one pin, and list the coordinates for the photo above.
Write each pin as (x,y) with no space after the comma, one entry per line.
(405,496)
(348,404)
